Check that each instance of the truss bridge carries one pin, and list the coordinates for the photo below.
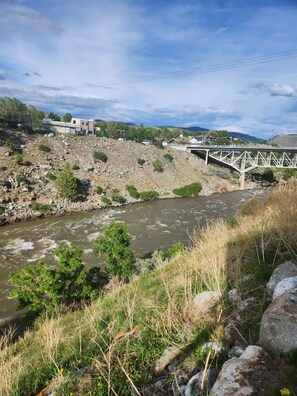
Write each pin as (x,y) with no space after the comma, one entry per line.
(244,159)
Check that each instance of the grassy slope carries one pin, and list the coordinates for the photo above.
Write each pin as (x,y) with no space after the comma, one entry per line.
(120,336)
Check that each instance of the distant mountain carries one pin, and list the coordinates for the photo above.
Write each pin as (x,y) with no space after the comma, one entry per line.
(244,136)
(189,129)
(284,140)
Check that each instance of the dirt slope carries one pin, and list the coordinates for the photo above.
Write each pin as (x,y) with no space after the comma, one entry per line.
(120,169)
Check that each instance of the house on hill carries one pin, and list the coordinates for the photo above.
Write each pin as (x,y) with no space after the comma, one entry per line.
(77,126)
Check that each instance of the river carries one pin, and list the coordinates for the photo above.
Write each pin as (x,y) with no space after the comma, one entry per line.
(153,225)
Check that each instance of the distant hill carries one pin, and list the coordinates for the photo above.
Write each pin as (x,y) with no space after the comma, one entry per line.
(244,136)
(284,140)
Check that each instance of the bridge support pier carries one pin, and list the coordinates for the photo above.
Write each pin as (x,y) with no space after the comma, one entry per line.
(206,157)
(242,180)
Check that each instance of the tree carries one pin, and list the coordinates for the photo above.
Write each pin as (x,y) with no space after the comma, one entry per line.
(54,117)
(115,247)
(68,183)
(13,111)
(40,287)
(67,117)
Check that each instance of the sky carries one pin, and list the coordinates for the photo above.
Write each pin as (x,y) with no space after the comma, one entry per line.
(218,64)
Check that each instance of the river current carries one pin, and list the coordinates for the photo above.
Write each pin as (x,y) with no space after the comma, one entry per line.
(153,225)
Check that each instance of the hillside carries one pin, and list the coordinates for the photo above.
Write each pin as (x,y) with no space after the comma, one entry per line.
(284,140)
(191,317)
(32,180)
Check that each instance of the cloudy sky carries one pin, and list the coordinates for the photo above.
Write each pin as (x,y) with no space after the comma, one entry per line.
(223,64)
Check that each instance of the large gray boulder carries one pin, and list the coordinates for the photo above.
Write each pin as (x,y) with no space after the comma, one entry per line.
(236,376)
(283,271)
(193,387)
(287,285)
(278,330)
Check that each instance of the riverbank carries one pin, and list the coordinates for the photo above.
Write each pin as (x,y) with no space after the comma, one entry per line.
(151,336)
(31,163)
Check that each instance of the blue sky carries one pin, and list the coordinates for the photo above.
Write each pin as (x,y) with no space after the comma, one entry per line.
(157,62)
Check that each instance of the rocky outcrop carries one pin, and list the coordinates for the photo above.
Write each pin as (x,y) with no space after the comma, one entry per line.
(279,322)
(205,302)
(237,376)
(282,272)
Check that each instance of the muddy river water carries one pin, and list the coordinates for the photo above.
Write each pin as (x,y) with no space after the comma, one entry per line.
(153,225)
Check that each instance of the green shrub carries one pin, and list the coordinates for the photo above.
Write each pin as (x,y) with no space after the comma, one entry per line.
(41,287)
(19,179)
(99,156)
(18,159)
(99,190)
(132,191)
(140,161)
(168,157)
(115,247)
(158,144)
(43,147)
(268,175)
(148,195)
(189,190)
(75,167)
(119,199)
(68,183)
(106,200)
(2,210)
(171,251)
(50,176)
(158,165)
(288,173)
(43,208)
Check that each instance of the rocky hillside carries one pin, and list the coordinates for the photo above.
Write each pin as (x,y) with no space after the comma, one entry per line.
(30,163)
(284,140)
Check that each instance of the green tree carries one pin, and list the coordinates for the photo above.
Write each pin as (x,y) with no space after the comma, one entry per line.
(115,247)
(68,183)
(54,117)
(40,287)
(67,117)
(13,111)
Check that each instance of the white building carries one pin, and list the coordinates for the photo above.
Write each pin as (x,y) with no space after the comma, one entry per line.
(77,126)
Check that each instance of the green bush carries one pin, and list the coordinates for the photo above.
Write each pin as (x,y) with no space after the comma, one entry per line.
(168,157)
(119,199)
(158,144)
(43,147)
(106,200)
(158,165)
(50,176)
(99,156)
(75,167)
(19,179)
(268,175)
(18,159)
(171,251)
(99,190)
(148,195)
(2,210)
(41,287)
(115,247)
(140,161)
(43,208)
(288,173)
(189,190)
(132,191)
(68,183)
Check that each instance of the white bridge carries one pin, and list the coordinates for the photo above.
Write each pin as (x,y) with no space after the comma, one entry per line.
(244,159)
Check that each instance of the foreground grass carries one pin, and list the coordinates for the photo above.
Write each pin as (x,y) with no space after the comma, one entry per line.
(118,338)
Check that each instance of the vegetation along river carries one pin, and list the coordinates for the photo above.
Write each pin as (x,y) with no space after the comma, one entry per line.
(153,225)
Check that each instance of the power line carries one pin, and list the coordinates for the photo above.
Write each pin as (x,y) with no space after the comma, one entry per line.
(272,57)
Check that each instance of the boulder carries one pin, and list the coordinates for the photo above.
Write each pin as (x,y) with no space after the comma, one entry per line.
(167,358)
(283,271)
(236,376)
(193,387)
(278,328)
(206,300)
(287,285)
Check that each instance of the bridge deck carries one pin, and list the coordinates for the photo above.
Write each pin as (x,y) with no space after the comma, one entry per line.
(243,149)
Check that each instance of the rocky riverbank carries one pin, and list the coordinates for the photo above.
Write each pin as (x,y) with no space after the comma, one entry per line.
(30,164)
